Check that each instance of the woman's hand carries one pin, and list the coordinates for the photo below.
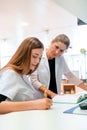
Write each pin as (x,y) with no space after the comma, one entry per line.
(48,93)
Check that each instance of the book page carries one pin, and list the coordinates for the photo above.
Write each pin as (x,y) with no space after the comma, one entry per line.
(70,98)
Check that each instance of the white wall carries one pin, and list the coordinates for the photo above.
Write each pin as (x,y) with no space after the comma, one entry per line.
(60,22)
(76,60)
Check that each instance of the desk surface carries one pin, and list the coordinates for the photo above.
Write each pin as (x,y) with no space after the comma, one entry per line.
(53,119)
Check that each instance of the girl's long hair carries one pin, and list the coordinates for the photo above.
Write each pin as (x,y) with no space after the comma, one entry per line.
(20,61)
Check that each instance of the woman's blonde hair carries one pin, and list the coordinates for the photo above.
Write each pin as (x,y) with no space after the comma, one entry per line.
(62,38)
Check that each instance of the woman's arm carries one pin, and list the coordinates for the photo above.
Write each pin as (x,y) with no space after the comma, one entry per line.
(40,104)
(34,80)
(83,86)
(38,85)
(75,80)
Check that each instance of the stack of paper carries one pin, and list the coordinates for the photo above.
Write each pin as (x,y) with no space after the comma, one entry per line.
(70,98)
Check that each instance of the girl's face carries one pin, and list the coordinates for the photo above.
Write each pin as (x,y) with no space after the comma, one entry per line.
(36,55)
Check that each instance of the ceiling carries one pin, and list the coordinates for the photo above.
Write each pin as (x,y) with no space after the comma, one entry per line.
(32,16)
(76,7)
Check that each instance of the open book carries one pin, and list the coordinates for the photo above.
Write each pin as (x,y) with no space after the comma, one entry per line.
(70,98)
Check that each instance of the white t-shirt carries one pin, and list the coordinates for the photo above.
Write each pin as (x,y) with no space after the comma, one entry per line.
(16,87)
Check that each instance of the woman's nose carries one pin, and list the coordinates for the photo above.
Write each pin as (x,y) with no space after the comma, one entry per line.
(57,51)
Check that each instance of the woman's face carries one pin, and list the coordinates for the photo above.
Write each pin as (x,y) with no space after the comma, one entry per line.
(56,49)
(36,55)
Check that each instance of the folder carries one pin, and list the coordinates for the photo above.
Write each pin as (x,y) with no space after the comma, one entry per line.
(76,110)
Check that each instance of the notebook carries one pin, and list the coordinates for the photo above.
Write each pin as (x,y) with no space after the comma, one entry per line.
(70,98)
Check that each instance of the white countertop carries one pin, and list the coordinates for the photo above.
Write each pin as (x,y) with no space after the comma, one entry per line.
(53,119)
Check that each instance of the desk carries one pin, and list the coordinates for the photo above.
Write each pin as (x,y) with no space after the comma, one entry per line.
(53,119)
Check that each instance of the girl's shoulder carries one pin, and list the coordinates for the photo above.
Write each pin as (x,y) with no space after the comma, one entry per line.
(8,72)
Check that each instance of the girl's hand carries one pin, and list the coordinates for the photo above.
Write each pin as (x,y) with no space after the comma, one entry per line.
(43,104)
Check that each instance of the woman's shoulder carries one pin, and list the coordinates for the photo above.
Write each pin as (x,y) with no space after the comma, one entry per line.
(60,58)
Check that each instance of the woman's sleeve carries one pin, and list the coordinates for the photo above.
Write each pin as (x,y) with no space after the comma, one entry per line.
(69,75)
(34,80)
(73,79)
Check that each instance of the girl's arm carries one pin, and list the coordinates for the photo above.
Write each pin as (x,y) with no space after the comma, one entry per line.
(40,104)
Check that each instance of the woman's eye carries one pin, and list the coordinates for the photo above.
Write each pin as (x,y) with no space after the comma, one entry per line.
(56,47)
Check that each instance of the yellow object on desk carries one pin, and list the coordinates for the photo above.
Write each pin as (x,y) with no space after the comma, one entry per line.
(68,89)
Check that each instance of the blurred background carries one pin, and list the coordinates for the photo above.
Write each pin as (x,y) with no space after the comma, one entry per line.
(45,19)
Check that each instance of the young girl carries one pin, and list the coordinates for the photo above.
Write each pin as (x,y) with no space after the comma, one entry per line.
(16,94)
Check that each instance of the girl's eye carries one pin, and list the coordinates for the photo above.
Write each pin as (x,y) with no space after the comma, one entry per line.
(36,57)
